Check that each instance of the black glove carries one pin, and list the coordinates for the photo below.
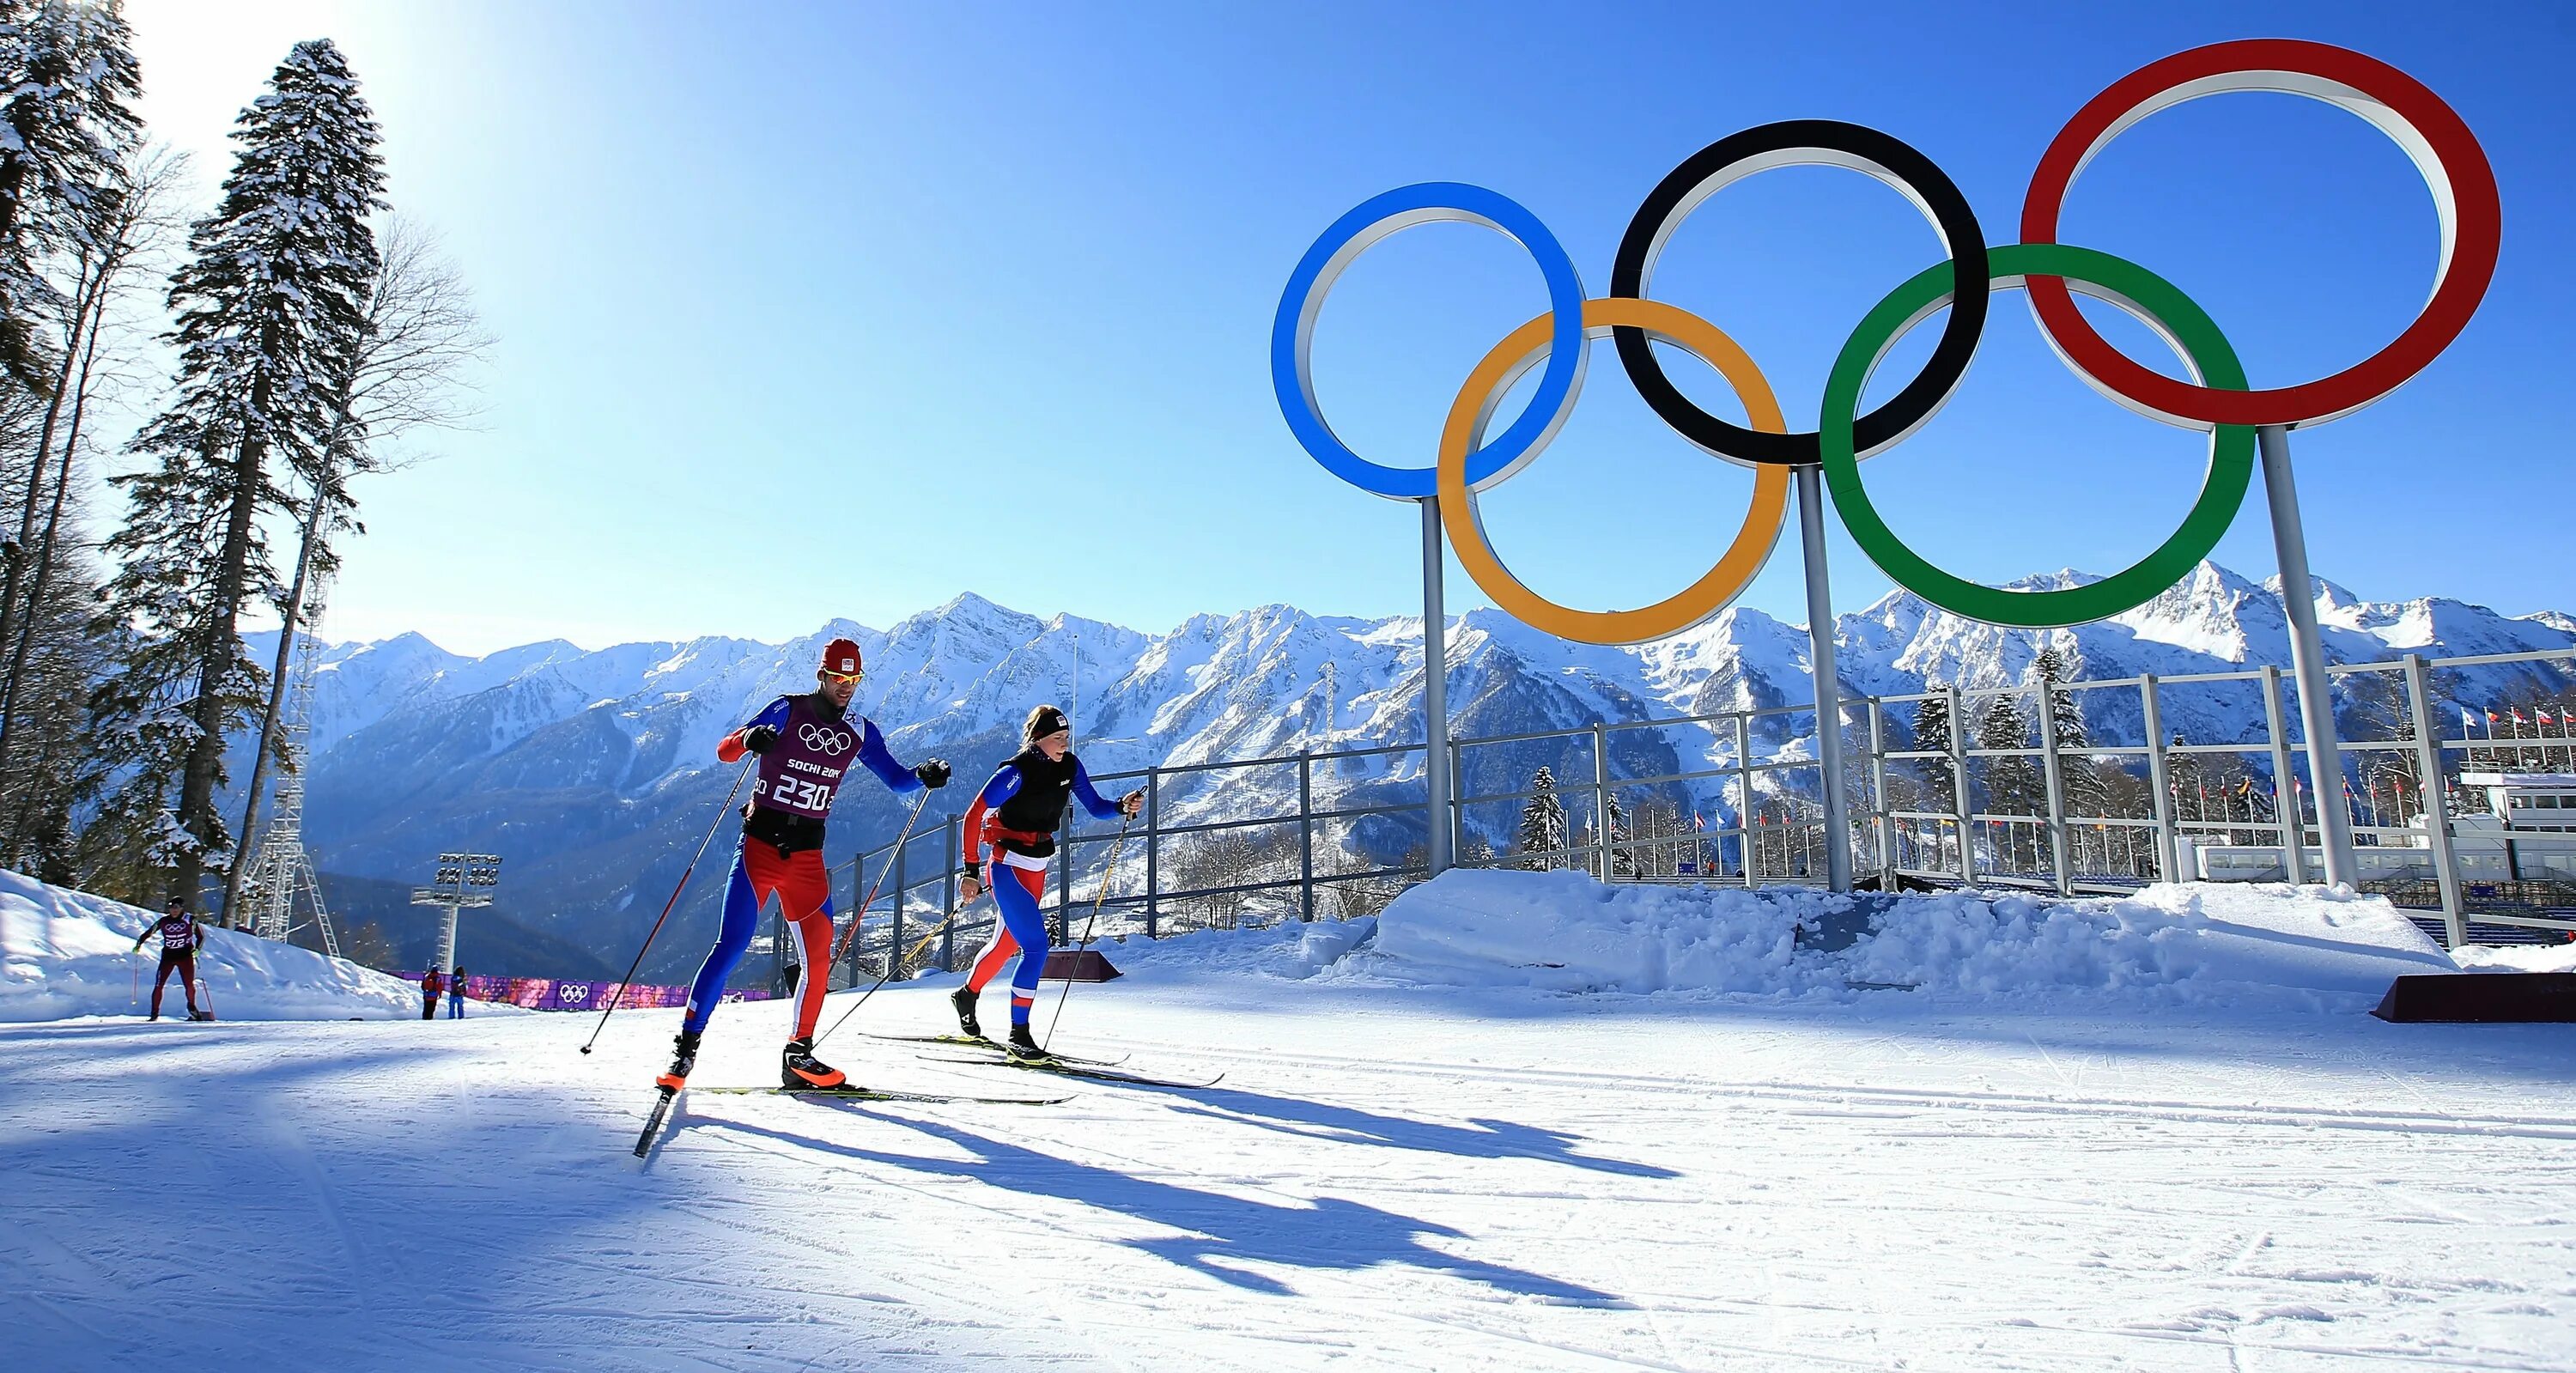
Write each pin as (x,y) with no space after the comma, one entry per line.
(758,738)
(932,774)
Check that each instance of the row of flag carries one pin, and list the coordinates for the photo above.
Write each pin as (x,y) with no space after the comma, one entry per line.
(2469,718)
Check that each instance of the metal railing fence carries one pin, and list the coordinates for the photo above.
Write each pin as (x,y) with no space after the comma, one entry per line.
(2013,793)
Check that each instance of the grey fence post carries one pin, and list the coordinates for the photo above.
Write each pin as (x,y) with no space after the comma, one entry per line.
(948,895)
(1601,799)
(1878,795)
(1306,831)
(1457,819)
(1744,797)
(2285,782)
(1960,793)
(2160,781)
(2053,776)
(859,877)
(1064,890)
(894,948)
(1153,849)
(2431,795)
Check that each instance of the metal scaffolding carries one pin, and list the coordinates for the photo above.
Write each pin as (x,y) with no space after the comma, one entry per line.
(281,872)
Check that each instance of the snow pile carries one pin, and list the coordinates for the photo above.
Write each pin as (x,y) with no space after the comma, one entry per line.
(66,953)
(2296,946)
(2517,958)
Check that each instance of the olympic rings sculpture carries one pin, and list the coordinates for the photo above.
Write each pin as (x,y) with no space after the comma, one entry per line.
(2217,399)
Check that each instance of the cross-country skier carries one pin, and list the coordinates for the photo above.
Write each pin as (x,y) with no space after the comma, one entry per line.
(180,938)
(806,743)
(1017,814)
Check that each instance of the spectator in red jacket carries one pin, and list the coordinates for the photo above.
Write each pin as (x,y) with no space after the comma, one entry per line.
(431,984)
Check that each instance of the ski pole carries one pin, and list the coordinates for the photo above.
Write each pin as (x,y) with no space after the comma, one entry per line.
(894,960)
(681,886)
(842,944)
(892,955)
(1107,871)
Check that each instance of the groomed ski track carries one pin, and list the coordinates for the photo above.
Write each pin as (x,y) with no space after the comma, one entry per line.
(1389,1178)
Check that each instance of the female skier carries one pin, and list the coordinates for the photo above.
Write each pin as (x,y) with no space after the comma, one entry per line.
(1017,814)
(805,743)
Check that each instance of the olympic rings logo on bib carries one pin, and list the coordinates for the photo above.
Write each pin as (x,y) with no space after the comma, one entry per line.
(2217,399)
(831,743)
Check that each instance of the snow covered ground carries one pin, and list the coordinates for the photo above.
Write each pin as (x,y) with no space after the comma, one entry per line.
(2152,1134)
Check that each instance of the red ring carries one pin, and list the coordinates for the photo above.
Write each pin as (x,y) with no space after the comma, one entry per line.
(2476,229)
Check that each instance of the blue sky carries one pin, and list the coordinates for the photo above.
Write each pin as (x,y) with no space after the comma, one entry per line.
(821,310)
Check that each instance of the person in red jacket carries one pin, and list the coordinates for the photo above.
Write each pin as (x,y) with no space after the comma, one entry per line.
(180,938)
(809,745)
(431,984)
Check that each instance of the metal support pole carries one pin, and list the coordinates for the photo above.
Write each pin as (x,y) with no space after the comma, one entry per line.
(2285,781)
(1960,795)
(2160,781)
(1153,849)
(1601,800)
(2308,658)
(1820,658)
(1306,832)
(1886,827)
(1744,798)
(2431,796)
(2053,776)
(1435,695)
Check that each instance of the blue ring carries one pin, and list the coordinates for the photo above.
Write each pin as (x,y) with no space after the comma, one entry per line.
(1351,235)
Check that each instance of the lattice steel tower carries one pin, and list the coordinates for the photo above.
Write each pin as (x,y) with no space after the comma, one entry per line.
(280,871)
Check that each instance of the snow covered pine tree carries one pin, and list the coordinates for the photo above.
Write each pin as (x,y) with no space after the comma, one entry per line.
(270,307)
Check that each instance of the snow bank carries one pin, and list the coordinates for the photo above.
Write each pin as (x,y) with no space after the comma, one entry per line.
(65,953)
(2299,946)
(1294,949)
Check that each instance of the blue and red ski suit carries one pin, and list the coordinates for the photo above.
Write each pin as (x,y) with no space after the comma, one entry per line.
(782,841)
(1026,800)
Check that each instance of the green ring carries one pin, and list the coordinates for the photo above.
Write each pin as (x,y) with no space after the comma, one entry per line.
(2123,283)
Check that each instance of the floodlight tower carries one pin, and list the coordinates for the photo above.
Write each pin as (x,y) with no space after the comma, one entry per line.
(464,879)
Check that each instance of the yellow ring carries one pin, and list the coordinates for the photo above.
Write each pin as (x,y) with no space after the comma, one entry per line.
(1465,431)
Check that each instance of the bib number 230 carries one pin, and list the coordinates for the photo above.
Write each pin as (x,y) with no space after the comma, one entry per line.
(797,793)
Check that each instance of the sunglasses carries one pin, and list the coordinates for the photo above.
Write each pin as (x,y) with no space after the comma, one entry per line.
(846,678)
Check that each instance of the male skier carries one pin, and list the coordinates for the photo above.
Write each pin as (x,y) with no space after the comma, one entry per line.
(179,940)
(805,744)
(1026,798)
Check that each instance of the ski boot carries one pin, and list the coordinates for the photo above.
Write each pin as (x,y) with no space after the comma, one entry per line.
(684,1057)
(964,1000)
(1024,1047)
(800,1071)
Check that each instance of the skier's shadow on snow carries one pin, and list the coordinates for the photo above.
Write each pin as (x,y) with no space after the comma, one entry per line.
(1221,1232)
(1478,1138)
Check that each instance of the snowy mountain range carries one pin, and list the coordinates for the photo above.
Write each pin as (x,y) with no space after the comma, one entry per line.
(593,772)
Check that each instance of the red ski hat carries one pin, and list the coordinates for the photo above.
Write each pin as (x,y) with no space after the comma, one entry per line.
(841,658)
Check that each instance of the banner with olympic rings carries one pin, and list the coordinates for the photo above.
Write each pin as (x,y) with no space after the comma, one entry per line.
(2216,399)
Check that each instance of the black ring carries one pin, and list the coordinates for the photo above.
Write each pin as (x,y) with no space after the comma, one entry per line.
(1780,145)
